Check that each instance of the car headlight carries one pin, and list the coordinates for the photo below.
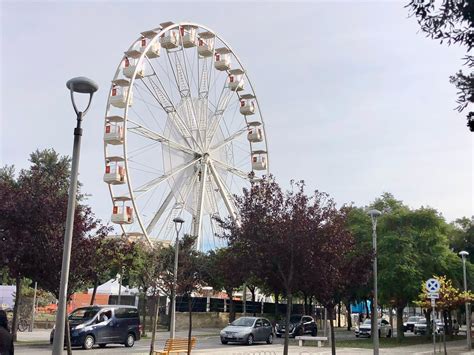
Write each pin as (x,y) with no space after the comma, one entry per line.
(80,326)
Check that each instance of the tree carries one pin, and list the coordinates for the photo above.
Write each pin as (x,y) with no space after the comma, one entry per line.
(450,298)
(32,215)
(105,260)
(335,262)
(412,246)
(451,22)
(190,276)
(230,273)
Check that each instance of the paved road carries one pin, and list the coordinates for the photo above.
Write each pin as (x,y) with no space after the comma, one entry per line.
(209,343)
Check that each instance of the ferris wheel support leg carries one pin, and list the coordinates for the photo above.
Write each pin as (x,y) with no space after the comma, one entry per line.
(198,219)
(159,213)
(224,193)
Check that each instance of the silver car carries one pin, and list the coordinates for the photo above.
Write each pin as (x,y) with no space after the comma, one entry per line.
(248,330)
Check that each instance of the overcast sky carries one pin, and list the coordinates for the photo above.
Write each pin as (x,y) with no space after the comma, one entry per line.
(355,99)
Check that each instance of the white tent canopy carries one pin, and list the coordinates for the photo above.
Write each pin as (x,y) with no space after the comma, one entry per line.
(112,286)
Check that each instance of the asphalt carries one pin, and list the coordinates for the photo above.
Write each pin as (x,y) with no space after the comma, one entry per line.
(37,342)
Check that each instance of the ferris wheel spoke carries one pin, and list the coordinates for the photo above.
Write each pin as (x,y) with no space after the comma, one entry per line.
(148,133)
(224,191)
(232,169)
(155,182)
(222,104)
(159,213)
(229,139)
(165,101)
(179,204)
(197,227)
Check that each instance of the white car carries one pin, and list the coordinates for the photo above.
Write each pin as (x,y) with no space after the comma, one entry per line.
(385,329)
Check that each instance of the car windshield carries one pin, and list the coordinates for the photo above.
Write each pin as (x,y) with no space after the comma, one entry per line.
(412,319)
(422,321)
(243,322)
(367,322)
(84,314)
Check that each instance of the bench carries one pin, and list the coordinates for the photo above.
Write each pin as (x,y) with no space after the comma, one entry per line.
(303,338)
(176,346)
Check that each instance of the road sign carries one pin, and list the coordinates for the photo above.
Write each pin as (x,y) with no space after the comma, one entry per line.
(432,285)
(433,295)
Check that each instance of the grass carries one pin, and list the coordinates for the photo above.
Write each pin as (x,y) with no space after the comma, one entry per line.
(391,342)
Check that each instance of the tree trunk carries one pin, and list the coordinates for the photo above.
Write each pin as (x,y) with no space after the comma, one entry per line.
(391,316)
(94,291)
(68,336)
(339,315)
(190,310)
(349,316)
(252,292)
(287,322)
(400,334)
(305,304)
(231,307)
(155,320)
(145,290)
(16,307)
(429,323)
(330,310)
(276,306)
(311,306)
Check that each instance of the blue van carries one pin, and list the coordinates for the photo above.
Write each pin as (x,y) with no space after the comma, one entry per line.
(103,325)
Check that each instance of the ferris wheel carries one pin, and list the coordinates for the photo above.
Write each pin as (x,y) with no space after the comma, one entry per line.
(183,134)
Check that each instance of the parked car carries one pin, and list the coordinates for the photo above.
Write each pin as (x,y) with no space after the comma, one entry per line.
(103,325)
(409,325)
(248,330)
(299,325)
(421,326)
(365,329)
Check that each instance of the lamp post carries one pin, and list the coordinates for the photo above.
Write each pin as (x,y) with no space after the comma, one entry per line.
(375,329)
(464,254)
(178,223)
(79,85)
(119,278)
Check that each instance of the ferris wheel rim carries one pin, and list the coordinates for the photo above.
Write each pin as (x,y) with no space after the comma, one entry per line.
(143,56)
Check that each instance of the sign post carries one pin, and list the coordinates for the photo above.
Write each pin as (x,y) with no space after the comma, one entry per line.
(432,287)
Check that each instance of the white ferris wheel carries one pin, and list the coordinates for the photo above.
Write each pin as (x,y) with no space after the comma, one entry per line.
(183,134)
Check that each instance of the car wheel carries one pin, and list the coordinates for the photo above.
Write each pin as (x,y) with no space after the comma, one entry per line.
(250,340)
(270,339)
(379,333)
(389,334)
(102,345)
(278,335)
(223,341)
(88,342)
(357,335)
(314,332)
(130,340)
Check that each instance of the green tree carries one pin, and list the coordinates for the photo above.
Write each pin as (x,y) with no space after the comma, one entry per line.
(452,22)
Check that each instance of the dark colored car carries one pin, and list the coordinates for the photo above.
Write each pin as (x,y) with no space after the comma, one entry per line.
(299,325)
(103,325)
(248,330)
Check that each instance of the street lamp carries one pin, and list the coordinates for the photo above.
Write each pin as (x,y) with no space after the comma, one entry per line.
(178,223)
(119,278)
(464,254)
(374,214)
(80,85)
